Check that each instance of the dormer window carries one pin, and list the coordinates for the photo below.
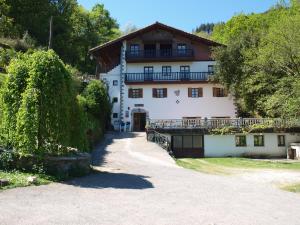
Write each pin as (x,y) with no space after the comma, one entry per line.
(181,49)
(134,49)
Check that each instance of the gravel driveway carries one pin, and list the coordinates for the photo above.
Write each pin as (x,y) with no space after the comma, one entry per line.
(140,184)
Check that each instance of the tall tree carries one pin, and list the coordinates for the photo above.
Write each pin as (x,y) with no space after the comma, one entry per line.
(261,59)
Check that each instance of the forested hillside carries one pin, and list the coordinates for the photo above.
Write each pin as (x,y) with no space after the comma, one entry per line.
(261,63)
(25,24)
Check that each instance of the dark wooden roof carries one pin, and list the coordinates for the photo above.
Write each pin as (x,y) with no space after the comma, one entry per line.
(151,27)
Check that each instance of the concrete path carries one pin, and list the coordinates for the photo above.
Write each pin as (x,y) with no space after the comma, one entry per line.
(141,184)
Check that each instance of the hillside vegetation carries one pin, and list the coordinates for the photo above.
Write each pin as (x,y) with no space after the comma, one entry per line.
(261,63)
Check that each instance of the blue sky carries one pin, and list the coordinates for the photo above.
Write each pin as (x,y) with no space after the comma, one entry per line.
(183,14)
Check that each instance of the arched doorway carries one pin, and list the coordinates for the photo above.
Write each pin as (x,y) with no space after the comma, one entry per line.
(139,117)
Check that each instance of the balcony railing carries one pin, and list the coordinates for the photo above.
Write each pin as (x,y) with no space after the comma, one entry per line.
(159,54)
(220,123)
(167,76)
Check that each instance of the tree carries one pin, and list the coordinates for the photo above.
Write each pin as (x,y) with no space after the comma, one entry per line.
(75,29)
(261,60)
(129,28)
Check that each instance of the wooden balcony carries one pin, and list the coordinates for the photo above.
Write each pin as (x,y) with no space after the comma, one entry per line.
(160,55)
(167,77)
(257,123)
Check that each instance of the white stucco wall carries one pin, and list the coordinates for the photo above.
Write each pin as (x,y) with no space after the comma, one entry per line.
(172,107)
(169,108)
(224,145)
(113,91)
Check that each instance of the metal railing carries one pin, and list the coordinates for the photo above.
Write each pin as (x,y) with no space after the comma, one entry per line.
(168,76)
(220,123)
(159,53)
(160,139)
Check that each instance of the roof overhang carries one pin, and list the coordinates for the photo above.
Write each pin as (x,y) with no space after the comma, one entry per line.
(157,25)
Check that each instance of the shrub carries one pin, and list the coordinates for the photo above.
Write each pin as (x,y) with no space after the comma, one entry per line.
(95,100)
(41,114)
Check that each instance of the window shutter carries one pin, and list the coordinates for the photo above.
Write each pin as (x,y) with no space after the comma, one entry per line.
(200,92)
(189,92)
(141,92)
(154,93)
(129,93)
(165,92)
(214,92)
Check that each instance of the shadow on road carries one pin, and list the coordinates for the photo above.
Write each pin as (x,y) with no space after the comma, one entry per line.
(112,180)
(100,151)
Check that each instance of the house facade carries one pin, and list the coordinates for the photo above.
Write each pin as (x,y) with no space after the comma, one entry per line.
(161,79)
(160,72)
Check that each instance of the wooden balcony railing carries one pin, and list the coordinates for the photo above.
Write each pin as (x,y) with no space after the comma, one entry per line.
(159,54)
(167,76)
(220,123)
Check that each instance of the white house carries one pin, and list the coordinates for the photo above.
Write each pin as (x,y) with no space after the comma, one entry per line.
(160,72)
(164,76)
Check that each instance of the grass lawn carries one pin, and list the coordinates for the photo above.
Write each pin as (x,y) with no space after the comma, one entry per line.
(222,165)
(19,179)
(292,187)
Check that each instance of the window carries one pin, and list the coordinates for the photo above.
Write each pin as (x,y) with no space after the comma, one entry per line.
(219,92)
(115,100)
(240,141)
(134,49)
(183,142)
(259,140)
(184,72)
(115,115)
(211,69)
(181,49)
(115,82)
(135,93)
(177,142)
(281,140)
(166,70)
(159,92)
(185,69)
(187,141)
(195,92)
(148,70)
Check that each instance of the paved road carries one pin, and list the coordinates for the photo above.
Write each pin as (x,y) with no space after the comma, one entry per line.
(140,184)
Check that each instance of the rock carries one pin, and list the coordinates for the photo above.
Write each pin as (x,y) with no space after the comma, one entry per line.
(4,182)
(32,180)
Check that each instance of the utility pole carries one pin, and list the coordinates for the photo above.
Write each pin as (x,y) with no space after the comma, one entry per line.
(50,33)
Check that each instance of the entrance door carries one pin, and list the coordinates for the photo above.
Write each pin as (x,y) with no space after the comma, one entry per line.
(139,121)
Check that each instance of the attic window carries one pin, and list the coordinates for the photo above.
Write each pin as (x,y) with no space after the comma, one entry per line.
(181,48)
(134,49)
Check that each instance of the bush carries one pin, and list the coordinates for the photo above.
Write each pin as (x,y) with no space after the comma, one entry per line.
(41,114)
(6,160)
(95,100)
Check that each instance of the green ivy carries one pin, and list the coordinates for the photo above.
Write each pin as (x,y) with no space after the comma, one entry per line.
(40,111)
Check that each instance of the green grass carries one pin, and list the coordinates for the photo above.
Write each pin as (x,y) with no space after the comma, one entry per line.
(292,187)
(19,179)
(223,165)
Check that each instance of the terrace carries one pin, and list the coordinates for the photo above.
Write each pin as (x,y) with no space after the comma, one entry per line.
(167,77)
(169,124)
(159,55)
